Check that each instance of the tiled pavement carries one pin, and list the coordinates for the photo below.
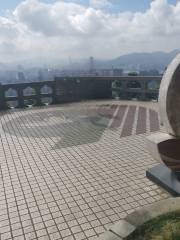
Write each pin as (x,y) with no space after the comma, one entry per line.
(70,171)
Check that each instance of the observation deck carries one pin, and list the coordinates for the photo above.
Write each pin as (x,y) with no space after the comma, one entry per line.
(72,169)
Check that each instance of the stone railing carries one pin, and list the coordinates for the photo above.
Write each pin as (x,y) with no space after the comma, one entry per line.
(142,88)
(72,89)
(27,94)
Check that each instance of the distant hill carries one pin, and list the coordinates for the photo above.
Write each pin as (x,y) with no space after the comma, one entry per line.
(144,61)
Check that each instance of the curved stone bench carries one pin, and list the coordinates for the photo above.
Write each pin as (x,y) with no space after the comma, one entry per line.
(124,228)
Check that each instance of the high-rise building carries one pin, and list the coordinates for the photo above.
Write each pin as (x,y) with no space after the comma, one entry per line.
(117,72)
(91,65)
(20,75)
(40,75)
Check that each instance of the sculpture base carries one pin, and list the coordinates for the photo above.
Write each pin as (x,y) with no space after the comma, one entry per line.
(165,178)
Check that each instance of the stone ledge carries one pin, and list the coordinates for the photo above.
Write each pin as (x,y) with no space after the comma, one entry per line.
(122,229)
(109,236)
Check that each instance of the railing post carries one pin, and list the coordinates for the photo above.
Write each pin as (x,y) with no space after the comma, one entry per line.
(143,89)
(38,95)
(54,96)
(2,98)
(20,97)
(124,89)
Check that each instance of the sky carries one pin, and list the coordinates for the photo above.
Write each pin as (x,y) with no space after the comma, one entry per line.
(119,5)
(82,28)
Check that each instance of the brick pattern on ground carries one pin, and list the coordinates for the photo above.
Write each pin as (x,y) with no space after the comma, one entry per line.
(73,191)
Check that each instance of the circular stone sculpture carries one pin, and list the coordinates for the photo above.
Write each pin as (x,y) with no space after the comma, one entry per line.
(165,147)
(169,98)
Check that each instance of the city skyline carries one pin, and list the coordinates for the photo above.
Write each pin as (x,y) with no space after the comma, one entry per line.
(100,28)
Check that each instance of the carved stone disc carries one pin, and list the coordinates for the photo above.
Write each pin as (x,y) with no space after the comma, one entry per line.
(169,98)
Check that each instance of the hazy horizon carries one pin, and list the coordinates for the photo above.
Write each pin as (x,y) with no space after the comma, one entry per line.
(105,29)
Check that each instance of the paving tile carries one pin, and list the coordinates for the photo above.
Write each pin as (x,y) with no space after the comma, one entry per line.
(65,233)
(90,233)
(5,236)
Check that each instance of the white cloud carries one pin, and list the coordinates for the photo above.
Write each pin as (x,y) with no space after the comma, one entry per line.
(70,29)
(99,3)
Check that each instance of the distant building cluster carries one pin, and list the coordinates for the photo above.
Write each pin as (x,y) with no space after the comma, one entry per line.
(37,74)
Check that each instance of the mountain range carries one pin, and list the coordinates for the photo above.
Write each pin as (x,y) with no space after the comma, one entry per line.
(141,61)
